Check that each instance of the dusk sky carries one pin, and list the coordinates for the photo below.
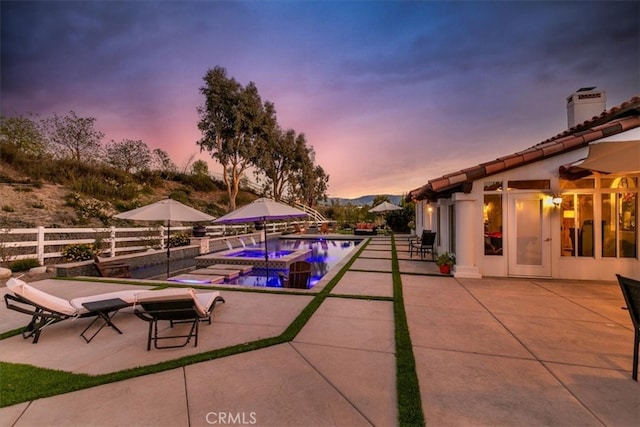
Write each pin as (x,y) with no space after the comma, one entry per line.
(389,94)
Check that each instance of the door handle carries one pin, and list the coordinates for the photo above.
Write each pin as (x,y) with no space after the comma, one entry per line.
(548,239)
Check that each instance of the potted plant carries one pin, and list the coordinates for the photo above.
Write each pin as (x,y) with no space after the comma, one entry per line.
(445,261)
(412,227)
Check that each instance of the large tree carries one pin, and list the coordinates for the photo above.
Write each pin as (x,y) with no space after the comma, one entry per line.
(73,137)
(129,155)
(24,134)
(231,122)
(309,182)
(279,156)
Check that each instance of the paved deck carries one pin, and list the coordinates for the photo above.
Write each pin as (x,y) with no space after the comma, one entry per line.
(507,352)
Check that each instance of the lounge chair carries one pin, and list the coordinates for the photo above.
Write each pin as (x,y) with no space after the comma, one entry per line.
(298,277)
(177,305)
(631,292)
(46,309)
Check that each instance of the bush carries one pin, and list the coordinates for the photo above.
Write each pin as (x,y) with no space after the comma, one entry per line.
(79,252)
(181,239)
(24,265)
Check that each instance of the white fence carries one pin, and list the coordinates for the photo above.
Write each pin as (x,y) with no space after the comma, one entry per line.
(45,243)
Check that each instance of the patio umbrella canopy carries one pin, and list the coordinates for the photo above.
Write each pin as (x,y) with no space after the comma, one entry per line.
(261,210)
(613,157)
(166,210)
(384,207)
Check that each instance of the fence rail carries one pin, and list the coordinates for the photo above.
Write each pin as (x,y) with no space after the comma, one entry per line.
(48,243)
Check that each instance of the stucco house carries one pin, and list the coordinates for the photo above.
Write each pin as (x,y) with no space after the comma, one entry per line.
(546,211)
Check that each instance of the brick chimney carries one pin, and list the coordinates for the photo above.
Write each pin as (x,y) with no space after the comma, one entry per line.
(584,104)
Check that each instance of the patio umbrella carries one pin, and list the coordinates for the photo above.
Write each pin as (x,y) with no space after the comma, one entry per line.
(261,210)
(384,207)
(165,210)
(613,157)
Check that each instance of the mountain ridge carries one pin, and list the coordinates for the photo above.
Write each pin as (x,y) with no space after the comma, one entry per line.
(364,200)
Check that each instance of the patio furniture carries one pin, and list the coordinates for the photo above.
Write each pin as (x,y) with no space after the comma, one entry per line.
(631,292)
(298,277)
(111,268)
(46,309)
(176,305)
(103,308)
(424,244)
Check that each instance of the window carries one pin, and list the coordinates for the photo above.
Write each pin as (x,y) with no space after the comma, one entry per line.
(577,225)
(619,216)
(492,213)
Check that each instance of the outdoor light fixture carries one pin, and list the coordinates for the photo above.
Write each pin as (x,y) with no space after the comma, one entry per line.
(557,201)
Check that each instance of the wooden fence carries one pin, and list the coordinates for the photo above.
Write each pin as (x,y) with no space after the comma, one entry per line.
(47,243)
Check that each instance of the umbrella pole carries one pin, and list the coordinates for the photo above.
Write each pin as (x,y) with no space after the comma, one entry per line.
(168,245)
(266,249)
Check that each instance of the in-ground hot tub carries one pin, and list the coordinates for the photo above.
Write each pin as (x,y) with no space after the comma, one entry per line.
(278,259)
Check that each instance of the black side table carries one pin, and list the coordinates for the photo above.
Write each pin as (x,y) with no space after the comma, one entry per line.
(103,309)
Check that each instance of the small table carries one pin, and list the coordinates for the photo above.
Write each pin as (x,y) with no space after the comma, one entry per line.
(102,310)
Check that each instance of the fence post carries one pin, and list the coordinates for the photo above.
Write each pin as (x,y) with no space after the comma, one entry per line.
(162,237)
(40,247)
(112,241)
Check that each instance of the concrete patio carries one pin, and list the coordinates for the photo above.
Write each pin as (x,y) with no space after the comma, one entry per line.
(508,352)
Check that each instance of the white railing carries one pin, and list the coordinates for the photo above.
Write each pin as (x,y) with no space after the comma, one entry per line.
(45,243)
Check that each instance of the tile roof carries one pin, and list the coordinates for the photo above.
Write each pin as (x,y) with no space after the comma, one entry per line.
(618,119)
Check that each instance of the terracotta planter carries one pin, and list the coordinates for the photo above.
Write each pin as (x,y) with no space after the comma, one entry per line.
(445,269)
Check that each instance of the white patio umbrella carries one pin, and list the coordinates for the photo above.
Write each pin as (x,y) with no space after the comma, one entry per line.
(613,157)
(384,207)
(166,210)
(261,210)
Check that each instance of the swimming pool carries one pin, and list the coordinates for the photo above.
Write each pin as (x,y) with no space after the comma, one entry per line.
(323,254)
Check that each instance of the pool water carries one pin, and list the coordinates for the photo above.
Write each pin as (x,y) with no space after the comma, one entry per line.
(259,253)
(325,254)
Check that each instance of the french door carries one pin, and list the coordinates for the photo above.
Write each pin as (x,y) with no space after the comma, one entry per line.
(529,238)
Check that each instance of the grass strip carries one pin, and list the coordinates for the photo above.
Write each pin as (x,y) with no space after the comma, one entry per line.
(408,390)
(23,383)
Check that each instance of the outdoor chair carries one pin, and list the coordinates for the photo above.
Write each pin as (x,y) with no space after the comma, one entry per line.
(46,309)
(631,292)
(298,277)
(111,268)
(176,305)
(424,244)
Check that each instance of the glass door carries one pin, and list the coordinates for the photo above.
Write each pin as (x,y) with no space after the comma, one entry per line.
(529,236)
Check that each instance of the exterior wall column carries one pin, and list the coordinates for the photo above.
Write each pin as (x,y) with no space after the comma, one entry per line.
(466,239)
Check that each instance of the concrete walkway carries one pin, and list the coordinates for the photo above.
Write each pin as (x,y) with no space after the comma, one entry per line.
(508,352)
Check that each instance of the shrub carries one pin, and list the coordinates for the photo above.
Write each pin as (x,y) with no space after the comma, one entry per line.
(180,239)
(24,265)
(7,208)
(79,252)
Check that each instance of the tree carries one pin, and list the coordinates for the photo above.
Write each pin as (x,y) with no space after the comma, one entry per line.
(160,161)
(309,182)
(24,134)
(200,167)
(231,122)
(73,137)
(129,155)
(279,155)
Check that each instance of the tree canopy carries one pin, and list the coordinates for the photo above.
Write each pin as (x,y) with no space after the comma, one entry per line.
(240,131)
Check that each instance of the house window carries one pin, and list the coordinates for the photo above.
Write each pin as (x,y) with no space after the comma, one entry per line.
(566,184)
(619,224)
(577,225)
(492,215)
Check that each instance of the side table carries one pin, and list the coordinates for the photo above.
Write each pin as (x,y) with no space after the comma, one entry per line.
(104,310)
